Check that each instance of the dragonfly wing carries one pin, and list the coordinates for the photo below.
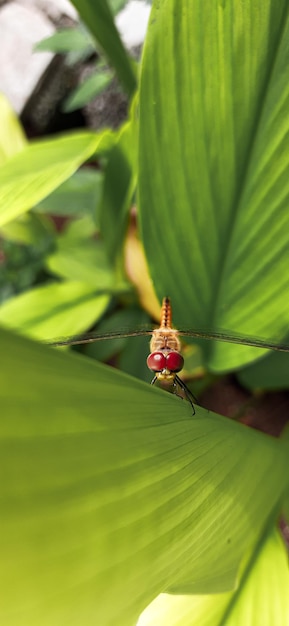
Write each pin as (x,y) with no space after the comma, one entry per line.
(91,337)
(244,340)
(227,337)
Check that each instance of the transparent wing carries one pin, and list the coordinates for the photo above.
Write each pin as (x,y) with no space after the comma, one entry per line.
(227,337)
(91,337)
(245,340)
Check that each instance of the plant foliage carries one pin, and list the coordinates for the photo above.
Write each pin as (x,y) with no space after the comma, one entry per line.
(118,506)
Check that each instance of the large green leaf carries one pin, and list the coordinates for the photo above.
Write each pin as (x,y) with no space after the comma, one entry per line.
(112,491)
(262,598)
(54,310)
(38,169)
(214,168)
(99,20)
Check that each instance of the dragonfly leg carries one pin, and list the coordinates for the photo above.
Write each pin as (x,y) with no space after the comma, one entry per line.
(179,383)
(189,395)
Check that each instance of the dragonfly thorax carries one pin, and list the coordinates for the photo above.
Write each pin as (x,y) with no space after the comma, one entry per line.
(165,339)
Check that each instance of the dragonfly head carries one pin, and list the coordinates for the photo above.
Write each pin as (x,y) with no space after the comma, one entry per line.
(165,363)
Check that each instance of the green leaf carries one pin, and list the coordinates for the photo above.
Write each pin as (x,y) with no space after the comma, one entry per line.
(83,261)
(12,138)
(99,20)
(214,169)
(271,372)
(54,310)
(104,350)
(117,192)
(78,195)
(77,43)
(133,357)
(114,490)
(116,5)
(29,229)
(67,40)
(77,230)
(80,256)
(41,167)
(260,600)
(91,87)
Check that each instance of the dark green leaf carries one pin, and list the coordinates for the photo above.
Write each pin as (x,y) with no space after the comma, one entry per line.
(116,5)
(79,195)
(99,20)
(121,319)
(271,372)
(118,189)
(90,88)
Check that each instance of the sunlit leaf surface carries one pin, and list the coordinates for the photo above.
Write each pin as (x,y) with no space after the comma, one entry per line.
(38,169)
(54,310)
(12,138)
(261,600)
(114,490)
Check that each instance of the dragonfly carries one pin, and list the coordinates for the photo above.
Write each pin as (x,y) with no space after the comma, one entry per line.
(165,359)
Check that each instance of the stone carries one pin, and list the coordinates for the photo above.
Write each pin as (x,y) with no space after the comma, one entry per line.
(132,23)
(54,9)
(21,68)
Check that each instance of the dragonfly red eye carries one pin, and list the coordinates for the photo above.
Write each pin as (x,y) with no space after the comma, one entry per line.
(156,361)
(175,362)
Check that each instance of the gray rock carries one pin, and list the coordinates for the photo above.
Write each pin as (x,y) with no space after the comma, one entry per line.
(20,69)
(36,82)
(132,23)
(54,9)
